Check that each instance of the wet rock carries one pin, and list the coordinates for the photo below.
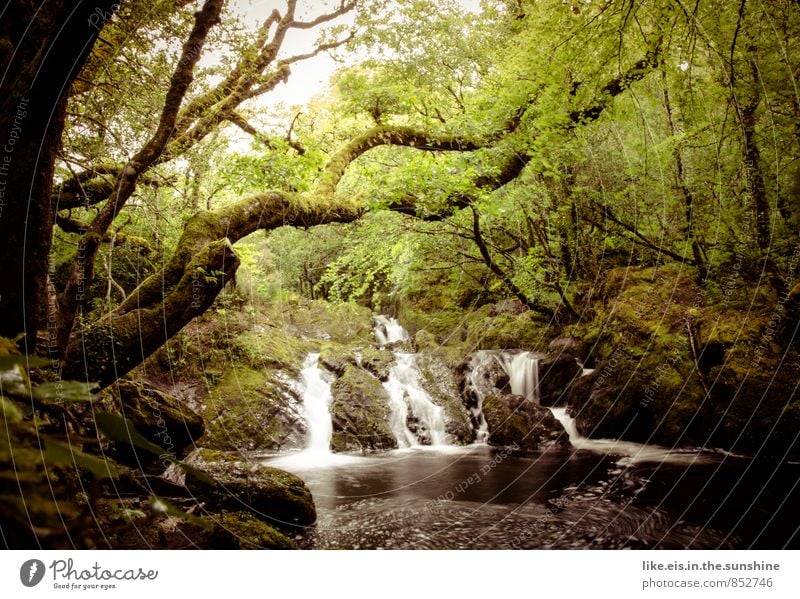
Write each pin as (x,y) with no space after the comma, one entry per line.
(556,374)
(335,358)
(272,495)
(513,420)
(158,416)
(251,410)
(377,361)
(360,412)
(439,381)
(424,340)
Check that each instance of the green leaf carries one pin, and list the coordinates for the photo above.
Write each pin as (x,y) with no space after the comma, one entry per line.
(64,391)
(9,410)
(25,361)
(196,473)
(118,428)
(64,454)
(162,506)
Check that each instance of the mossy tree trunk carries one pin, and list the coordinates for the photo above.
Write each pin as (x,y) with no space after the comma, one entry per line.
(43,46)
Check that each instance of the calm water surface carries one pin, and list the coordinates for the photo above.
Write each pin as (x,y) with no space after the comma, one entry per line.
(479,498)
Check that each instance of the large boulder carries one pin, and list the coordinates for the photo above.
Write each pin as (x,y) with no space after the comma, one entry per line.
(158,416)
(250,410)
(513,420)
(278,497)
(678,365)
(360,412)
(556,374)
(377,361)
(335,358)
(439,381)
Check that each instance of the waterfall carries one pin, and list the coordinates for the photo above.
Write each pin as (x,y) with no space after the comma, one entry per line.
(480,363)
(388,330)
(408,400)
(316,406)
(523,371)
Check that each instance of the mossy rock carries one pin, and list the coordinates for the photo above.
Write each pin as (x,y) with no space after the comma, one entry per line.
(272,348)
(506,331)
(424,340)
(275,496)
(648,387)
(335,358)
(439,380)
(158,416)
(446,325)
(513,420)
(251,532)
(377,361)
(360,412)
(253,410)
(757,405)
(556,374)
(633,399)
(319,321)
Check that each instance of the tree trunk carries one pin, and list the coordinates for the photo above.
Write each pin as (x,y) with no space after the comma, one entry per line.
(43,46)
(202,264)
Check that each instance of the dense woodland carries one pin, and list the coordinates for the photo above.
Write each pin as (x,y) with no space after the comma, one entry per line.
(619,179)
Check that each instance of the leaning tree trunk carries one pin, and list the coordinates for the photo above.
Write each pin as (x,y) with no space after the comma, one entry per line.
(43,46)
(203,262)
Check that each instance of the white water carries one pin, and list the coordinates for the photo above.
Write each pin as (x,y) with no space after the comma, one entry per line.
(317,397)
(316,406)
(406,392)
(388,330)
(479,362)
(523,372)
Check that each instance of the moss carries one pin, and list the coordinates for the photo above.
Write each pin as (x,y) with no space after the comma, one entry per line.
(272,495)
(438,380)
(360,412)
(335,358)
(158,416)
(377,361)
(506,331)
(251,532)
(270,347)
(253,409)
(648,385)
(513,420)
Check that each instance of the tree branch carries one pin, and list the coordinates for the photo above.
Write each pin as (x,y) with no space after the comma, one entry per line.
(125,184)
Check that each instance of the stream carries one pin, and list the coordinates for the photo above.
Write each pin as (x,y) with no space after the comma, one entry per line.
(596,494)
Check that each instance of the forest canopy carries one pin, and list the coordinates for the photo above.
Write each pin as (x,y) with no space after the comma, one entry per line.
(606,189)
(501,149)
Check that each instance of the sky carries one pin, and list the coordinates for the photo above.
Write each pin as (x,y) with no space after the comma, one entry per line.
(310,77)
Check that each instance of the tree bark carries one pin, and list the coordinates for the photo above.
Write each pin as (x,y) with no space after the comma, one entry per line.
(43,46)
(202,264)
(125,184)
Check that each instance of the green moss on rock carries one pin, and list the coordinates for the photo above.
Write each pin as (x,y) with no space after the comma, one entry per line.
(360,412)
(513,420)
(253,409)
(273,495)
(251,532)
(377,361)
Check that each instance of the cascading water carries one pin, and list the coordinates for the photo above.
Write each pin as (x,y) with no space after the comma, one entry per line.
(407,398)
(480,363)
(523,372)
(316,406)
(388,330)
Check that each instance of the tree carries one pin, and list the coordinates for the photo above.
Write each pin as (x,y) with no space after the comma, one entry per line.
(511,113)
(42,60)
